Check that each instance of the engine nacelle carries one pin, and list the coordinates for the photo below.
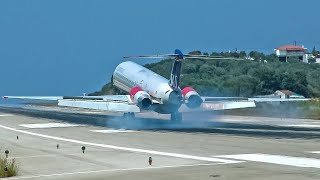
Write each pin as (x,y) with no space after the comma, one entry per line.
(192,98)
(140,97)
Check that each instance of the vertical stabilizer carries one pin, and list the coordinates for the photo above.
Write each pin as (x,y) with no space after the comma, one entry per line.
(176,70)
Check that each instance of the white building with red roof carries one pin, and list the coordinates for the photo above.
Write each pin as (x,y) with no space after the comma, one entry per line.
(284,94)
(285,52)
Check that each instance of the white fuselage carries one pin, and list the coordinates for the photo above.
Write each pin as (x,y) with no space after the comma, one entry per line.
(128,75)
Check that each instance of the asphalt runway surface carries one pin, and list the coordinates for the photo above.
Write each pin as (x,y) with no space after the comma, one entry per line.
(203,146)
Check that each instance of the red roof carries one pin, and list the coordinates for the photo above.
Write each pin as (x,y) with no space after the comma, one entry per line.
(291,48)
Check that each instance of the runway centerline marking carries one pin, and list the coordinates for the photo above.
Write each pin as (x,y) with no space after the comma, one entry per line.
(111,170)
(209,159)
(107,131)
(5,115)
(49,125)
(276,159)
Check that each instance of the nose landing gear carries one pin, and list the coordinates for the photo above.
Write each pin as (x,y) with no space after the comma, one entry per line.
(129,116)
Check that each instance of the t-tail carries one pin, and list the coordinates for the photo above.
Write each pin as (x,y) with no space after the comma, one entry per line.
(176,70)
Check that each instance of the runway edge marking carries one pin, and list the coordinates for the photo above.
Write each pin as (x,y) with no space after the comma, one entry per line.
(110,170)
(209,159)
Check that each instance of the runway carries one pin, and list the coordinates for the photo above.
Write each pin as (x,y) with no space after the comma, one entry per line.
(209,146)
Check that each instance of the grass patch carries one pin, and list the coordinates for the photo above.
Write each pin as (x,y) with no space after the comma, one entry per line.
(12,167)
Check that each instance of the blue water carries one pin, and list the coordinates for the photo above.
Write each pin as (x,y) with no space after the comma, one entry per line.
(19,103)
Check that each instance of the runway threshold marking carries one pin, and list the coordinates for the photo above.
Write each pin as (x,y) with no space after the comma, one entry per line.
(48,125)
(277,159)
(112,170)
(209,159)
(112,131)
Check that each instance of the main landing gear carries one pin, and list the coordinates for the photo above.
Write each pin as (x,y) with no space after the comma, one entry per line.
(129,116)
(176,117)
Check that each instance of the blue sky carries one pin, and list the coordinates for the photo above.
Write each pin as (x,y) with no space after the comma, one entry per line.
(68,47)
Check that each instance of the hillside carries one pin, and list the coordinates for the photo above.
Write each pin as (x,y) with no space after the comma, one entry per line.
(240,78)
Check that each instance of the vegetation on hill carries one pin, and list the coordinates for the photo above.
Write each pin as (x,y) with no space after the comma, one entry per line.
(261,75)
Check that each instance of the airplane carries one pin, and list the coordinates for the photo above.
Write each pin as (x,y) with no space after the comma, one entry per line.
(147,90)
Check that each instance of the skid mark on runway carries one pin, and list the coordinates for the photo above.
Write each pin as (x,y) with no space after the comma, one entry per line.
(176,155)
(107,131)
(111,170)
(277,159)
(49,125)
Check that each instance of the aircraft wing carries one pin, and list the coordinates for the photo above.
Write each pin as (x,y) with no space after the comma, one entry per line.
(116,103)
(34,97)
(224,103)
(213,99)
(219,105)
(256,99)
(277,99)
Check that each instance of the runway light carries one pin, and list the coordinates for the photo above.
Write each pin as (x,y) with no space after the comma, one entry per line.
(83,148)
(57,146)
(17,137)
(7,153)
(150,161)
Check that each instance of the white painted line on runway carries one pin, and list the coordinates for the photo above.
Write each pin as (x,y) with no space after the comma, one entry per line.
(49,125)
(277,159)
(125,148)
(5,115)
(112,131)
(303,125)
(314,152)
(112,170)
(36,156)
